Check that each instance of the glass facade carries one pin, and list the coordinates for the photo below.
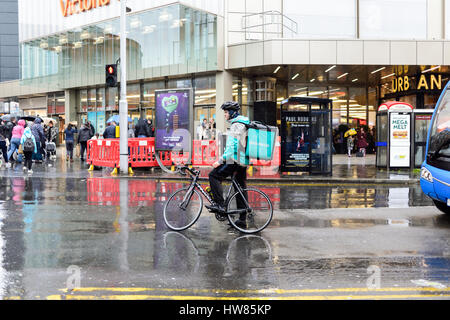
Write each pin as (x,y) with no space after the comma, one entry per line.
(322,18)
(387,19)
(170,40)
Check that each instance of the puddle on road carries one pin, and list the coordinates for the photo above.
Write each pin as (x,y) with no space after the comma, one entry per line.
(440,221)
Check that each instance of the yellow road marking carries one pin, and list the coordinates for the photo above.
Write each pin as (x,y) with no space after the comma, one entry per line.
(260,291)
(165,297)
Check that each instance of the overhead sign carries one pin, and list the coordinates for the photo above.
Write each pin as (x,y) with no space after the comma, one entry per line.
(422,82)
(71,7)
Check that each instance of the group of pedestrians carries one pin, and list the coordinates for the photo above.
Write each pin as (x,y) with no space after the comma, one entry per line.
(27,139)
(206,130)
(86,132)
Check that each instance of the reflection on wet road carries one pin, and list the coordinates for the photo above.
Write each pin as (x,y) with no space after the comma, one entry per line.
(315,248)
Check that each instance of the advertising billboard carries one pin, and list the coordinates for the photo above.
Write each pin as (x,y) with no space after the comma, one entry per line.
(400,140)
(173,117)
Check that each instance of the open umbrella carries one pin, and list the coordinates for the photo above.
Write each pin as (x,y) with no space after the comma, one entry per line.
(6,117)
(116,119)
(350,132)
(46,120)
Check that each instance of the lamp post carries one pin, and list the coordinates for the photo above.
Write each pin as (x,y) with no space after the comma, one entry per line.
(123,103)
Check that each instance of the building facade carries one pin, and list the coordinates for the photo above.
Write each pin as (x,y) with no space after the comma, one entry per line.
(359,53)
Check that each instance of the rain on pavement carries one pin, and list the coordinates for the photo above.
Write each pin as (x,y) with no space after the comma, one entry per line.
(322,243)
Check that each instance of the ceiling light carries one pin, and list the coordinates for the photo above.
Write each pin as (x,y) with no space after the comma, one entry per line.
(342,75)
(164,17)
(312,80)
(277,69)
(389,75)
(354,80)
(85,35)
(375,71)
(108,29)
(148,29)
(135,24)
(330,68)
(295,77)
(431,69)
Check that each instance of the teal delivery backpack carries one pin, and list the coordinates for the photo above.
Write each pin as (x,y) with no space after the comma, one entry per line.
(261,140)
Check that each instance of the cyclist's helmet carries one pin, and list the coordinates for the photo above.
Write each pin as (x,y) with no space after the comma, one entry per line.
(232,107)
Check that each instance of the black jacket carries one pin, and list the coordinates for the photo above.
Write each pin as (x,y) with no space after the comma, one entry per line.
(110,132)
(142,129)
(84,134)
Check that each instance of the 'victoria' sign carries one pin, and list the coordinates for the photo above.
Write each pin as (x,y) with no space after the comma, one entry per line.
(70,7)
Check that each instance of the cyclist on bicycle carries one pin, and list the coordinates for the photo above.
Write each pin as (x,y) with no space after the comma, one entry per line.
(233,161)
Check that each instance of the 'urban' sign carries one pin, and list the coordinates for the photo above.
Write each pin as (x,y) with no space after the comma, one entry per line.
(71,7)
(422,82)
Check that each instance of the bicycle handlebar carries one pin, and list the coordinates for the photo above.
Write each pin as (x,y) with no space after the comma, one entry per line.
(182,169)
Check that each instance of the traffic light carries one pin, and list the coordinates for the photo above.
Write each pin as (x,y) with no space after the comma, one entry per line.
(111,75)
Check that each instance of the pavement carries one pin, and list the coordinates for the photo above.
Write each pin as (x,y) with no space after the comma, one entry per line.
(345,171)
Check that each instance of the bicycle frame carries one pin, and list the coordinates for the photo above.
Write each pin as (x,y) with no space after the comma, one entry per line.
(194,184)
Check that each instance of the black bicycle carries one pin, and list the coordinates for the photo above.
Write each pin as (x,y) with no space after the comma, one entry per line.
(184,206)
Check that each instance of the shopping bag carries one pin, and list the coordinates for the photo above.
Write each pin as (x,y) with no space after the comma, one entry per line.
(77,151)
(20,151)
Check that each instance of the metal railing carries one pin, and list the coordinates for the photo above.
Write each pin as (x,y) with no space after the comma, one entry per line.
(268,25)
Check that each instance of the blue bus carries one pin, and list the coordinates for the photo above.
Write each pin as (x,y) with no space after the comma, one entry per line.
(435,172)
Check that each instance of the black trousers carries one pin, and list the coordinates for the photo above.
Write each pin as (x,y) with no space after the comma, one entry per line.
(83,148)
(28,159)
(219,174)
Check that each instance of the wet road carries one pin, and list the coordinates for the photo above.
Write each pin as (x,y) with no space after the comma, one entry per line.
(107,238)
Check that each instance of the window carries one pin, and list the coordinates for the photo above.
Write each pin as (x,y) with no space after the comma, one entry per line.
(205,90)
(388,19)
(322,18)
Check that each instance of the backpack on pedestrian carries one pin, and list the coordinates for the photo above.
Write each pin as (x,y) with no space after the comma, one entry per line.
(28,145)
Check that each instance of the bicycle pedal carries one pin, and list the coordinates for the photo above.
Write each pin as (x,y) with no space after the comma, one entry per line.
(220,217)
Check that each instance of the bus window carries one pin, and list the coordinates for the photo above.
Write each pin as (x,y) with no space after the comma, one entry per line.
(440,129)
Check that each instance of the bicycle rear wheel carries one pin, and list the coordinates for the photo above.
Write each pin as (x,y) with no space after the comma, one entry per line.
(179,216)
(258,218)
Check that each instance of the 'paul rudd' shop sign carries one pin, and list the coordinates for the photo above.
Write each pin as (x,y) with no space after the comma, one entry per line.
(71,7)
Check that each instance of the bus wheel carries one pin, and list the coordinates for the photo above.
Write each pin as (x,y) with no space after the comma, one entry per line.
(442,206)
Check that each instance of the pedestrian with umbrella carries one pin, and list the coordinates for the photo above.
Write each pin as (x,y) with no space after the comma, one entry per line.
(350,141)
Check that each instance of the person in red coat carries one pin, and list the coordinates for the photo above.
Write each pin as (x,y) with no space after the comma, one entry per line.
(361,143)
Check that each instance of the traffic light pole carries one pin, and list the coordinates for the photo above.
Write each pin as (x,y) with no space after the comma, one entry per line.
(123,103)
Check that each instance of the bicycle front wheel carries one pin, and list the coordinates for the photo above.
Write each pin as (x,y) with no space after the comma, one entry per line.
(260,215)
(182,211)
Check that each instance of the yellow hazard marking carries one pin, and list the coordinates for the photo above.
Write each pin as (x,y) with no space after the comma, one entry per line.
(284,294)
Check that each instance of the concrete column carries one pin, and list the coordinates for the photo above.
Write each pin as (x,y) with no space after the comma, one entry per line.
(436,20)
(71,105)
(224,92)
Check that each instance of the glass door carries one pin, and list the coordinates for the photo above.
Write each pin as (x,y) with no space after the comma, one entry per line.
(382,139)
(421,125)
